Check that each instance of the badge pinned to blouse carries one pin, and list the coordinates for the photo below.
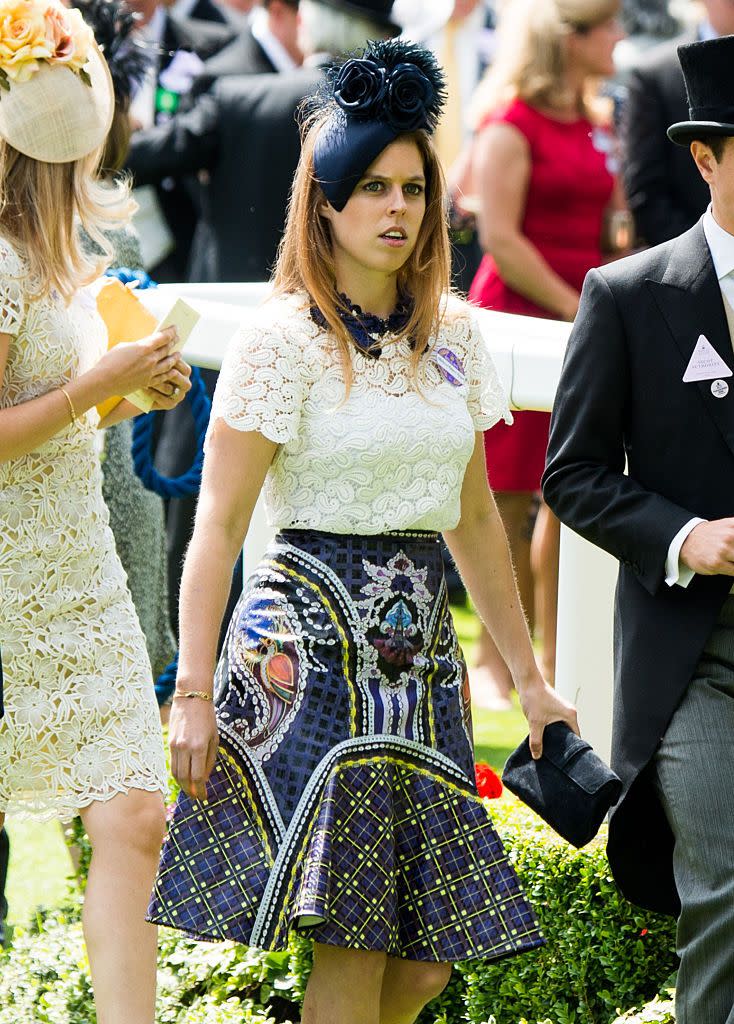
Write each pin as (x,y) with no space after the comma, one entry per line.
(705,363)
(450,367)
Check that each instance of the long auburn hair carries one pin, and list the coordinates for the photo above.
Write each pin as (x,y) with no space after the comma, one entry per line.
(306,258)
(531,55)
(41,205)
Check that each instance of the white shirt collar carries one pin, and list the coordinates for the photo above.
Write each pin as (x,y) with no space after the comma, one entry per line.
(721,245)
(274,49)
(182,8)
(153,32)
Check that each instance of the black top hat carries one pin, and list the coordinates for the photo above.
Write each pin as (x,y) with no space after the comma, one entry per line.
(379,11)
(707,69)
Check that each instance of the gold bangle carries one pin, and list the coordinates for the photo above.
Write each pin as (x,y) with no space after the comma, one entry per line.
(72,410)
(193,693)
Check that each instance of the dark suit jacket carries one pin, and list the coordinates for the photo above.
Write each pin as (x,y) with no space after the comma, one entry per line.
(665,192)
(243,56)
(621,395)
(244,134)
(179,199)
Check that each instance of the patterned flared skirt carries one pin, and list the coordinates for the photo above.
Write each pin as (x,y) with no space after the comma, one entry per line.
(343,800)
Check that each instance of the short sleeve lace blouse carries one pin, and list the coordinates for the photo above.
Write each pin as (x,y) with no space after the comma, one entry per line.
(390,457)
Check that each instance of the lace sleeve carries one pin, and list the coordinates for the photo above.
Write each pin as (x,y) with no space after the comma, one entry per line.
(12,304)
(487,401)
(260,386)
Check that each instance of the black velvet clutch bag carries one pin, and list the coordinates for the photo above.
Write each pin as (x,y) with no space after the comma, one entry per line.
(570,787)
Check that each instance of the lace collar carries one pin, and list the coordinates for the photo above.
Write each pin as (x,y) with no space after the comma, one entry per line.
(365,328)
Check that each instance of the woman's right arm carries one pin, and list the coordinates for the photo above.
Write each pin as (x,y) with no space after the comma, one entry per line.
(502,172)
(235,467)
(140,364)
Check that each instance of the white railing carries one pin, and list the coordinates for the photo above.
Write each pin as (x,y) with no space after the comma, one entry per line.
(528,353)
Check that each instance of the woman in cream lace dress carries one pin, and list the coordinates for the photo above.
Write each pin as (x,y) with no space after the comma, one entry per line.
(81,731)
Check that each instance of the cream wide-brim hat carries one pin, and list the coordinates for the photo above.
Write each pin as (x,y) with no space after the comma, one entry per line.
(55,117)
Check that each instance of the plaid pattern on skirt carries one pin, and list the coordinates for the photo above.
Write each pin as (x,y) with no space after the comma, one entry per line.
(343,801)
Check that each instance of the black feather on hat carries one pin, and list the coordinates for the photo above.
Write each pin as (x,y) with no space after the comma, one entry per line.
(394,87)
(113,22)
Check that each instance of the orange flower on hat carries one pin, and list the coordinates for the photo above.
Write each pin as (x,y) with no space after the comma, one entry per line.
(23,40)
(71,35)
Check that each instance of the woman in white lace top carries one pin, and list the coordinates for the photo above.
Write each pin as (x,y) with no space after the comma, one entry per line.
(336,756)
(81,731)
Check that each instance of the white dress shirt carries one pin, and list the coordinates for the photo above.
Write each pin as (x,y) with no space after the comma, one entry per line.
(721,246)
(274,49)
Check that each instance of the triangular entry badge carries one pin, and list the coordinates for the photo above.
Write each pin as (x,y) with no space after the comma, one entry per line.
(705,363)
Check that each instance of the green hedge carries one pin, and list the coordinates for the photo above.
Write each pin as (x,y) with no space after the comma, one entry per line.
(602,954)
(602,957)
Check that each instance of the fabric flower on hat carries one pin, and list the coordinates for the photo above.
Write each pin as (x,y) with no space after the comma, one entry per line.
(32,34)
(360,87)
(23,40)
(69,36)
(410,94)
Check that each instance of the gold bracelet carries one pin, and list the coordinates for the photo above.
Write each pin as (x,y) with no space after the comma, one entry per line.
(72,410)
(193,693)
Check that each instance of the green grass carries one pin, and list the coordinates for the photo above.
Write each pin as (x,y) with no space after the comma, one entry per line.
(39,862)
(39,867)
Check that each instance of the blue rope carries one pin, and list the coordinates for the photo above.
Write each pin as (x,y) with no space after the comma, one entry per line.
(190,481)
(177,487)
(165,684)
(128,276)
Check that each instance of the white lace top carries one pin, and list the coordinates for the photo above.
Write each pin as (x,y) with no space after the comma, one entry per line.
(387,458)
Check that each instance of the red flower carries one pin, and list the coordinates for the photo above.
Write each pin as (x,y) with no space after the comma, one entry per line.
(489,783)
(643,932)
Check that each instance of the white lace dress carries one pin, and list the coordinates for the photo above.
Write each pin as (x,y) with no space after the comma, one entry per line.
(81,721)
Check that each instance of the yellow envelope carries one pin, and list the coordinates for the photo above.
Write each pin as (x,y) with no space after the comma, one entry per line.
(126,319)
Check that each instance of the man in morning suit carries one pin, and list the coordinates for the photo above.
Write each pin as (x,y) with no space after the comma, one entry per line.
(666,194)
(181,36)
(647,379)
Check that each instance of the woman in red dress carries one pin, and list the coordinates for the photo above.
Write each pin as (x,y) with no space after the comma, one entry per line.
(544,171)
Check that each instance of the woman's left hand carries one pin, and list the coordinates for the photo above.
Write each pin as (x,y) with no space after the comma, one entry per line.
(173,389)
(541,705)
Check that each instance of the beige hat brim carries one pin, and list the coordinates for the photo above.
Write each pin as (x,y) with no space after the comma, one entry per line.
(55,116)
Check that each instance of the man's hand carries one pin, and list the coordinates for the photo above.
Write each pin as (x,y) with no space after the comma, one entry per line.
(709,548)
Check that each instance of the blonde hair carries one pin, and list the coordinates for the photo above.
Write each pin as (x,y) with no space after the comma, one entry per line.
(41,205)
(306,260)
(531,54)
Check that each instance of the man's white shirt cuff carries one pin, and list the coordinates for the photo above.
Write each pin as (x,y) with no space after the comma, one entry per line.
(674,571)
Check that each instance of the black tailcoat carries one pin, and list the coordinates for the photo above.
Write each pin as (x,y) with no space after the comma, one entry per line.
(621,395)
(665,192)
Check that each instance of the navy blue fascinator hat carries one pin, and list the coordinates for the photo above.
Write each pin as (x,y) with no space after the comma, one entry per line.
(393,88)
